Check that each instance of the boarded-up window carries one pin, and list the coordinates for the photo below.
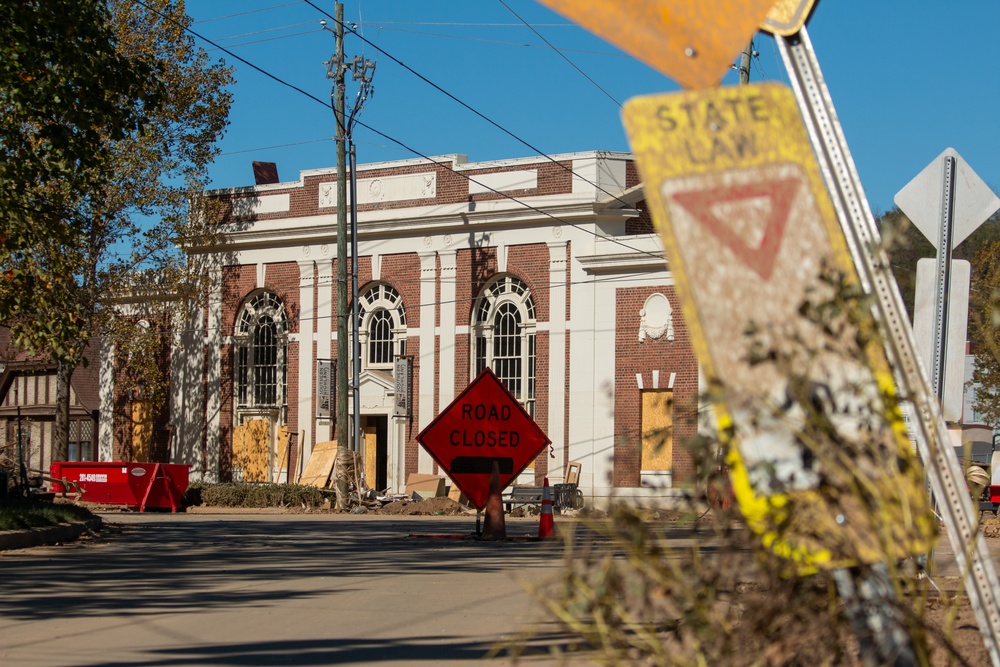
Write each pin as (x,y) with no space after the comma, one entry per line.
(250,450)
(657,429)
(142,431)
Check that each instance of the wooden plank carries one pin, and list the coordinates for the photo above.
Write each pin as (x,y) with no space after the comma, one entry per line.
(657,430)
(239,445)
(428,486)
(573,472)
(320,464)
(371,455)
(255,451)
(142,430)
(281,459)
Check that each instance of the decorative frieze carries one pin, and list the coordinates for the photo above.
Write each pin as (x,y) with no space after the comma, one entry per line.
(384,189)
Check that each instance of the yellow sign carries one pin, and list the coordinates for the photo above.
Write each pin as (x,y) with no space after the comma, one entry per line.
(820,462)
(787,16)
(694,43)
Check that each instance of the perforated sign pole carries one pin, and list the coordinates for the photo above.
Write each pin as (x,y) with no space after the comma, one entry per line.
(929,427)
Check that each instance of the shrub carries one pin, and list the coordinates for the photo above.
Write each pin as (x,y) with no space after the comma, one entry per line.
(254,495)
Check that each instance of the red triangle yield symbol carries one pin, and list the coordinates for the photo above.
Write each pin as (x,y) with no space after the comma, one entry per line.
(781,193)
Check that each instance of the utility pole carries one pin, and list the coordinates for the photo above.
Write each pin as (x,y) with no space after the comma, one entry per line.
(362,70)
(745,64)
(337,65)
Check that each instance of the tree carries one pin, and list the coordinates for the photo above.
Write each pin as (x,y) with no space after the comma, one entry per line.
(152,204)
(132,223)
(984,331)
(65,92)
(905,245)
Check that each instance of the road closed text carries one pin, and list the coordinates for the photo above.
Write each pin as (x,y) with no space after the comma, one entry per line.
(489,426)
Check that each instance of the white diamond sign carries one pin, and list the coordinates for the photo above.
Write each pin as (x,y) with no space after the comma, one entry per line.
(974,201)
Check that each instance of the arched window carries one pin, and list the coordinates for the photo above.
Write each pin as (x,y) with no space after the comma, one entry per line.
(382,326)
(261,343)
(504,331)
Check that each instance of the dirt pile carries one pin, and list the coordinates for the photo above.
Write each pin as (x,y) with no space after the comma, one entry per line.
(429,507)
(990,526)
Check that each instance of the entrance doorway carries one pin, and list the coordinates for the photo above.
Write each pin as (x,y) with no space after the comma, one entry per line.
(376,442)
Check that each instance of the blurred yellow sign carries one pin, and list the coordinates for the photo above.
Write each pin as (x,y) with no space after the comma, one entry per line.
(820,463)
(695,43)
(787,16)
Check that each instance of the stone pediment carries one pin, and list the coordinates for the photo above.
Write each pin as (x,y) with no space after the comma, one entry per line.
(377,390)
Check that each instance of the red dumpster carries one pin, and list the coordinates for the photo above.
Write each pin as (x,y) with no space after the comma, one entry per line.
(134,485)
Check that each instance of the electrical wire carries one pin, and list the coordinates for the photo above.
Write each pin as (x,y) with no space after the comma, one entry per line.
(249,11)
(409,148)
(266,148)
(261,32)
(464,104)
(504,42)
(541,287)
(561,54)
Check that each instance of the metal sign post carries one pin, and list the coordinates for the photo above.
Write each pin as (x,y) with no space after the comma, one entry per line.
(947,201)
(930,430)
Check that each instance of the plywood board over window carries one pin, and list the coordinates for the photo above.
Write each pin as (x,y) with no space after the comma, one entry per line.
(371,453)
(657,429)
(250,449)
(142,431)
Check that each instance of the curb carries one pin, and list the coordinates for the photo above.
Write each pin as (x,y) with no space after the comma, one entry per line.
(34,537)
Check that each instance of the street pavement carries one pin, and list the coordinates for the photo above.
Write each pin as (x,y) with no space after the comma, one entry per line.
(289,589)
(286,589)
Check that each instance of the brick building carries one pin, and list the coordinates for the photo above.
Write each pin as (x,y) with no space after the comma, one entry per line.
(28,408)
(545,269)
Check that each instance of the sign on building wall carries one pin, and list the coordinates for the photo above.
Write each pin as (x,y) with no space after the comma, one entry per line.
(326,387)
(402,374)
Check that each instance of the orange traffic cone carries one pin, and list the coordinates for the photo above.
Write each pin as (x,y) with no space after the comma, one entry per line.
(546,524)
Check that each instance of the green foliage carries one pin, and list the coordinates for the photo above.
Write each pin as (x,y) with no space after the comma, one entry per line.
(65,93)
(110,114)
(905,245)
(20,513)
(254,495)
(984,331)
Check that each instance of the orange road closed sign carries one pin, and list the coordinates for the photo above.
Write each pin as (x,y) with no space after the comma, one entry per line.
(694,43)
(765,278)
(483,426)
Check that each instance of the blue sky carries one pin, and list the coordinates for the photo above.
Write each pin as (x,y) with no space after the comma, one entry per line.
(908,80)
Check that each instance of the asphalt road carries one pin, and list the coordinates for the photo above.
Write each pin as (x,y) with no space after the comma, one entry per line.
(202,589)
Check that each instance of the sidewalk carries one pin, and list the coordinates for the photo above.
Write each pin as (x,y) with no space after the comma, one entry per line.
(36,537)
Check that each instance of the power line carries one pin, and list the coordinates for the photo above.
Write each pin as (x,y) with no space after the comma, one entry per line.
(561,54)
(266,148)
(413,150)
(503,42)
(249,11)
(261,32)
(465,38)
(464,104)
(541,287)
